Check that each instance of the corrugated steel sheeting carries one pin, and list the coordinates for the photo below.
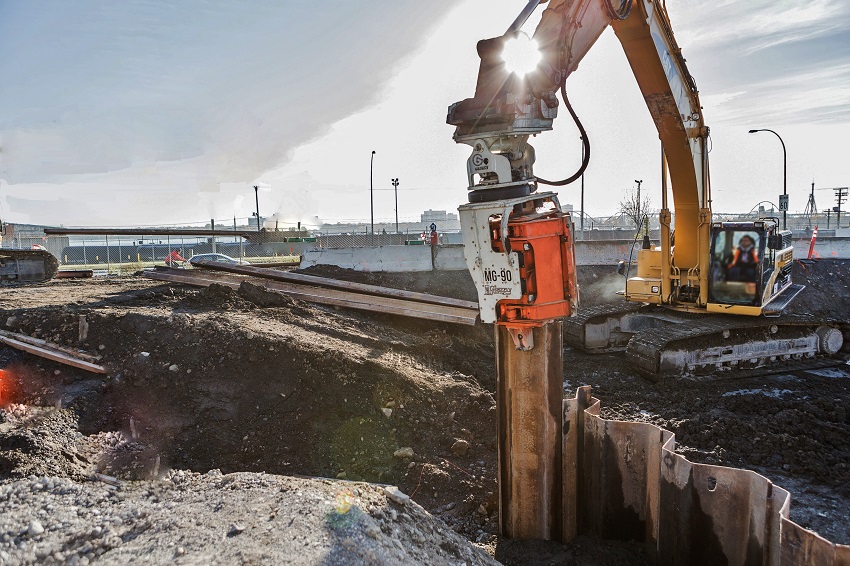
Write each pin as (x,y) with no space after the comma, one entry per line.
(624,481)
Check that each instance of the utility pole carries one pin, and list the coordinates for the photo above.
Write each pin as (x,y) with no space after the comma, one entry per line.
(840,197)
(811,207)
(240,239)
(395,186)
(371,193)
(257,200)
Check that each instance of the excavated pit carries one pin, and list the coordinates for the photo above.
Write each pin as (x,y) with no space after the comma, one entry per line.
(208,380)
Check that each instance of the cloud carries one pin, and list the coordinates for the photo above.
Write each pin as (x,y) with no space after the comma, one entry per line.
(780,62)
(227,88)
(113,109)
(761,24)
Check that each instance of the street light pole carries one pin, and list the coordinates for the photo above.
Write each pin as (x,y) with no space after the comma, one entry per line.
(395,186)
(784,174)
(371,192)
(638,207)
(257,200)
(582,188)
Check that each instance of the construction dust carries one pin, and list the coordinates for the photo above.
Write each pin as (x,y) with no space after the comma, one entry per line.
(211,398)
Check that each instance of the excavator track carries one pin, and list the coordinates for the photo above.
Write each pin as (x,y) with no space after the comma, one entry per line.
(664,344)
(26,266)
(600,329)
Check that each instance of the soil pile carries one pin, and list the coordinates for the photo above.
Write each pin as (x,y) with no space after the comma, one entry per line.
(210,381)
(218,518)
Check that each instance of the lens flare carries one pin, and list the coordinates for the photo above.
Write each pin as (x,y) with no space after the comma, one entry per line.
(344,500)
(521,54)
(5,387)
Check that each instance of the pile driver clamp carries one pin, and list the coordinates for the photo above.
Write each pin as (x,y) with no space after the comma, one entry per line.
(521,256)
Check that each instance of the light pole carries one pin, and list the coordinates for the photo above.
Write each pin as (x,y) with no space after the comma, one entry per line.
(638,207)
(371,192)
(784,174)
(257,200)
(582,188)
(395,186)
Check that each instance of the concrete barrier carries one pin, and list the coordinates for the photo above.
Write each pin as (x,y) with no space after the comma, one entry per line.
(836,248)
(381,259)
(606,252)
(609,252)
(450,257)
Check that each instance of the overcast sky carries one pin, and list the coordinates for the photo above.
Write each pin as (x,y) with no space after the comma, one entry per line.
(154,112)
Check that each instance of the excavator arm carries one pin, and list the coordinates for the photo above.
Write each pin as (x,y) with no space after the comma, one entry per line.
(672,98)
(510,106)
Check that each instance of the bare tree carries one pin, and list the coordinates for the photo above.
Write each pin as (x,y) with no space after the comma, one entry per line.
(634,206)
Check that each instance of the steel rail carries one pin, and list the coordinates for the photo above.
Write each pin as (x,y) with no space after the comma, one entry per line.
(359,301)
(315,281)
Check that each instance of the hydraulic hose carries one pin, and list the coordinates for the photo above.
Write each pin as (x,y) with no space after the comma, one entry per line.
(585,141)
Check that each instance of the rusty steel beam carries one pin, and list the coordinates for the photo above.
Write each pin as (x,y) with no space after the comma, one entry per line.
(300,278)
(51,346)
(202,278)
(53,354)
(529,407)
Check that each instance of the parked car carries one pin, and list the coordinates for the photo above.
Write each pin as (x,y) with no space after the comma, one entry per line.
(216,258)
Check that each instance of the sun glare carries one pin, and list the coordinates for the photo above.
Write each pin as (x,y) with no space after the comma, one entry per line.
(521,54)
(5,388)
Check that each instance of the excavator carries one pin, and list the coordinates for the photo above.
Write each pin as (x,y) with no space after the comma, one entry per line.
(26,266)
(707,299)
(21,266)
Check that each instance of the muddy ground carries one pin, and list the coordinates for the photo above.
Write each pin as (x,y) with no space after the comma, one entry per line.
(211,398)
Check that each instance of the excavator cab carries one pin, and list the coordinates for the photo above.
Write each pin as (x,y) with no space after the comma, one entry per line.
(750,265)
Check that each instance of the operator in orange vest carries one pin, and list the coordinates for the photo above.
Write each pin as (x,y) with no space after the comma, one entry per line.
(174,258)
(745,260)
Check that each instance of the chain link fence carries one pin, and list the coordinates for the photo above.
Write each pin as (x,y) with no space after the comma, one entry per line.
(114,255)
(130,253)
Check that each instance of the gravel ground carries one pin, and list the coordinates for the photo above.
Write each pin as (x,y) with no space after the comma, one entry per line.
(239,518)
(247,397)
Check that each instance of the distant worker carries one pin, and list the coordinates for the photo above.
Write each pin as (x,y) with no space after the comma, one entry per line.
(744,261)
(434,239)
(174,258)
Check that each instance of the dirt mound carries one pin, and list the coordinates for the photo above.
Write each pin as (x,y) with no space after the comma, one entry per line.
(206,380)
(457,284)
(222,519)
(827,291)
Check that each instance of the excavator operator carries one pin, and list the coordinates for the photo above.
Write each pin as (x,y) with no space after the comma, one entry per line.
(744,264)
